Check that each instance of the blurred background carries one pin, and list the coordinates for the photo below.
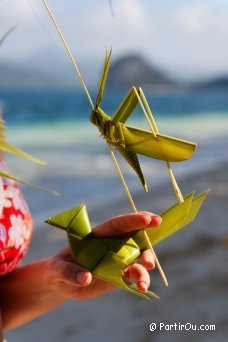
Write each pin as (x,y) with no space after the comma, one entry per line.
(177,52)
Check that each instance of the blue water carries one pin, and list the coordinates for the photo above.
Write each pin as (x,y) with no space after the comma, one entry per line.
(55,127)
(35,107)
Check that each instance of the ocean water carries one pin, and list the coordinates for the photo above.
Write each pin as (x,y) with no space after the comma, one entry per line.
(55,127)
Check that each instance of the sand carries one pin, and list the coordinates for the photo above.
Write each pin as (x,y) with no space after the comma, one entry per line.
(195,262)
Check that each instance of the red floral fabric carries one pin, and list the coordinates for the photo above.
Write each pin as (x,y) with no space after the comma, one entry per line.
(15,224)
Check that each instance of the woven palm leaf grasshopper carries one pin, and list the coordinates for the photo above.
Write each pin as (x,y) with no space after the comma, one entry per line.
(130,141)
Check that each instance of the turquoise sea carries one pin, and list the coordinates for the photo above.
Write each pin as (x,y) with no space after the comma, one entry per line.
(55,126)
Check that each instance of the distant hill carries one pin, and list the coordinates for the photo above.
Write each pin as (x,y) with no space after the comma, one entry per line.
(218,83)
(135,70)
(129,70)
(45,74)
(12,76)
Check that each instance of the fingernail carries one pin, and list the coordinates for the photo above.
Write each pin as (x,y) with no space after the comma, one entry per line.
(81,278)
(143,286)
(150,265)
(157,219)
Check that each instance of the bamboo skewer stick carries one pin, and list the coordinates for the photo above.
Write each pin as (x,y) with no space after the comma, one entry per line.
(69,54)
(135,210)
(122,178)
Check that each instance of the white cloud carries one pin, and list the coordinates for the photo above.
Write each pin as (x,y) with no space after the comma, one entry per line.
(198,18)
(96,29)
(192,18)
(12,11)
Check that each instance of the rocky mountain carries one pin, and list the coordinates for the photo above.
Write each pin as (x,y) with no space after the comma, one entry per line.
(135,70)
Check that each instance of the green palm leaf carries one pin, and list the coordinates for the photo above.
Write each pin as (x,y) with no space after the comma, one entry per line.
(7,147)
(132,159)
(19,180)
(104,75)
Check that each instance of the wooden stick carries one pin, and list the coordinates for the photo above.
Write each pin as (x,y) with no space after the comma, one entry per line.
(122,178)
(135,210)
(165,281)
(69,54)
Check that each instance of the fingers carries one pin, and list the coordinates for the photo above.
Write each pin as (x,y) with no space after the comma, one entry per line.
(124,224)
(65,254)
(155,219)
(139,274)
(147,259)
(72,274)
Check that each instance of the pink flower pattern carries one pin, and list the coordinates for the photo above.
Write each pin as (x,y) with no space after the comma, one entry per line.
(15,227)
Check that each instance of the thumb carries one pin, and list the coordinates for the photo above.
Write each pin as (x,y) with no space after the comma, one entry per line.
(73,274)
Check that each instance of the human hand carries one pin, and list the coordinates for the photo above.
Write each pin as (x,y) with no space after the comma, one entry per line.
(72,281)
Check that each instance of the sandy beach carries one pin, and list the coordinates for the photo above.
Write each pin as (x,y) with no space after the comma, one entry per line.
(195,261)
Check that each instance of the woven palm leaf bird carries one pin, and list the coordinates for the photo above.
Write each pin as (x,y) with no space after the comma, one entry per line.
(129,141)
(106,258)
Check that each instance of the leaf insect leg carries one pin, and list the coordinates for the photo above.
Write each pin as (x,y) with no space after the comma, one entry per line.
(126,107)
(150,119)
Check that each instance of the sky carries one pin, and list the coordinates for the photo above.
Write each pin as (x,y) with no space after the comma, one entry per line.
(187,38)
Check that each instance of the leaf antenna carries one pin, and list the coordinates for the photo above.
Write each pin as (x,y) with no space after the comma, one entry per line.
(69,53)
(111,8)
(103,79)
(3,38)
